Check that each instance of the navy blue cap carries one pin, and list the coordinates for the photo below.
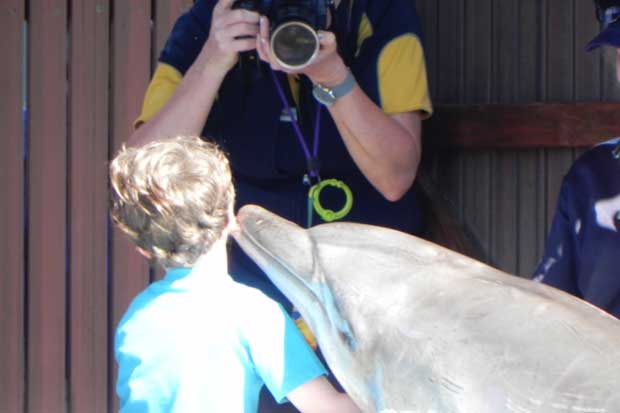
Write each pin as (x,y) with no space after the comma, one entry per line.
(610,35)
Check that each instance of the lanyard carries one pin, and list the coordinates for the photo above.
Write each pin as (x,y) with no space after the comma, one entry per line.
(313,165)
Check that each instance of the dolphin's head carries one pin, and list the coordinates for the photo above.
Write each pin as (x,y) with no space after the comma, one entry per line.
(290,257)
(407,325)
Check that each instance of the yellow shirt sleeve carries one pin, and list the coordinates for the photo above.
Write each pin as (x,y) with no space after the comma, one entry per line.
(403,84)
(162,86)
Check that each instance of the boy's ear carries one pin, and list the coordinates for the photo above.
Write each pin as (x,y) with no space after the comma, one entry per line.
(232,226)
(144,253)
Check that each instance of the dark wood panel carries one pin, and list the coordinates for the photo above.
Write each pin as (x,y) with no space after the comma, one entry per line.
(478,51)
(450,36)
(477,89)
(446,20)
(427,10)
(131,61)
(531,211)
(560,86)
(504,189)
(530,50)
(587,65)
(11,209)
(477,197)
(47,237)
(530,166)
(504,203)
(537,125)
(88,142)
(560,49)
(505,41)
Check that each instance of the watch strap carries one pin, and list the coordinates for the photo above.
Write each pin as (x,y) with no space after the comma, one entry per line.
(345,87)
(329,95)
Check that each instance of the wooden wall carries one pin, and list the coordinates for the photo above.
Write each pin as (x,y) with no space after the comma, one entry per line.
(67,277)
(510,52)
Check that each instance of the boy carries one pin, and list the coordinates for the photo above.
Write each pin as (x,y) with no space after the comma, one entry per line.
(197,341)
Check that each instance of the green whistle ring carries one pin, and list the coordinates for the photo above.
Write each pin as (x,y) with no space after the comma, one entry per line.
(328,215)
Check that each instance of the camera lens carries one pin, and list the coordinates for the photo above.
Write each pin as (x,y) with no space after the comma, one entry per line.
(295,44)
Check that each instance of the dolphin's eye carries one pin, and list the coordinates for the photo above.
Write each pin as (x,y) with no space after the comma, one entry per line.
(348,339)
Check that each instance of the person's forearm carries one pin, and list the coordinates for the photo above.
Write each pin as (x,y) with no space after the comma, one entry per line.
(188,108)
(386,152)
(343,404)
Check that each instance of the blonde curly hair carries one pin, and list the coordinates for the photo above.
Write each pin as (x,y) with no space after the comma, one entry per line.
(172,197)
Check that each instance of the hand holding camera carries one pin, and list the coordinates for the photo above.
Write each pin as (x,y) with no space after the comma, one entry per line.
(326,66)
(292,37)
(232,31)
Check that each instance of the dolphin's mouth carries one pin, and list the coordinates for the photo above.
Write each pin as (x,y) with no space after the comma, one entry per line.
(263,236)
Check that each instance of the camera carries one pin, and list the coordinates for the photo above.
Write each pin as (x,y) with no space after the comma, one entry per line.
(294,25)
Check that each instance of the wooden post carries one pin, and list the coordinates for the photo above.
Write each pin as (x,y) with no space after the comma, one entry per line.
(47,218)
(12,339)
(88,155)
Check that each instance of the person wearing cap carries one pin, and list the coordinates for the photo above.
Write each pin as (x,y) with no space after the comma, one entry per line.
(583,248)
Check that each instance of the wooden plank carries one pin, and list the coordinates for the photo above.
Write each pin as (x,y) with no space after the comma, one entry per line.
(531,194)
(88,140)
(560,75)
(587,65)
(427,10)
(47,237)
(12,342)
(522,126)
(504,184)
(131,60)
(559,87)
(449,31)
(531,63)
(478,51)
(450,51)
(477,89)
(532,210)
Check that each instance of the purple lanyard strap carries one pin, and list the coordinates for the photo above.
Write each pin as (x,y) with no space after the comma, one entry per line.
(311,158)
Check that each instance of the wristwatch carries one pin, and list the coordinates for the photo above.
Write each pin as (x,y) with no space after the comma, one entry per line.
(328,95)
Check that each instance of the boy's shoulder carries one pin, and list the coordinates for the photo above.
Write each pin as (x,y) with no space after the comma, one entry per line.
(254,303)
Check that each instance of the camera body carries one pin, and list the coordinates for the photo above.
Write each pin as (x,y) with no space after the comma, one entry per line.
(294,25)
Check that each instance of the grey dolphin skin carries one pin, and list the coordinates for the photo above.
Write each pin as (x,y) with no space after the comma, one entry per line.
(408,326)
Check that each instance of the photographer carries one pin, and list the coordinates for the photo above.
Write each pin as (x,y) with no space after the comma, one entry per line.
(581,255)
(368,139)
(370,76)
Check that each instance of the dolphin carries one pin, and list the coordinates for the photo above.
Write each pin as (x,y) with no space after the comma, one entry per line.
(409,326)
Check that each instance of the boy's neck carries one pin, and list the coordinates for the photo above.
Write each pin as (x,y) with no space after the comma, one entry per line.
(215,261)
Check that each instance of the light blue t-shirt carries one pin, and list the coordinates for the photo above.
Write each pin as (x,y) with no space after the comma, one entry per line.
(193,342)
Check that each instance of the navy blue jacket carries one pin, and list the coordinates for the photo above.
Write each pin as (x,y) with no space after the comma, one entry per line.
(266,157)
(582,254)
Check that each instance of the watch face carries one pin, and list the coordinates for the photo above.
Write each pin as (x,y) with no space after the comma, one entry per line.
(323,95)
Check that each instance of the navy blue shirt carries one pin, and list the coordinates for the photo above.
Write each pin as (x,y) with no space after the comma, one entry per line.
(266,157)
(582,255)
